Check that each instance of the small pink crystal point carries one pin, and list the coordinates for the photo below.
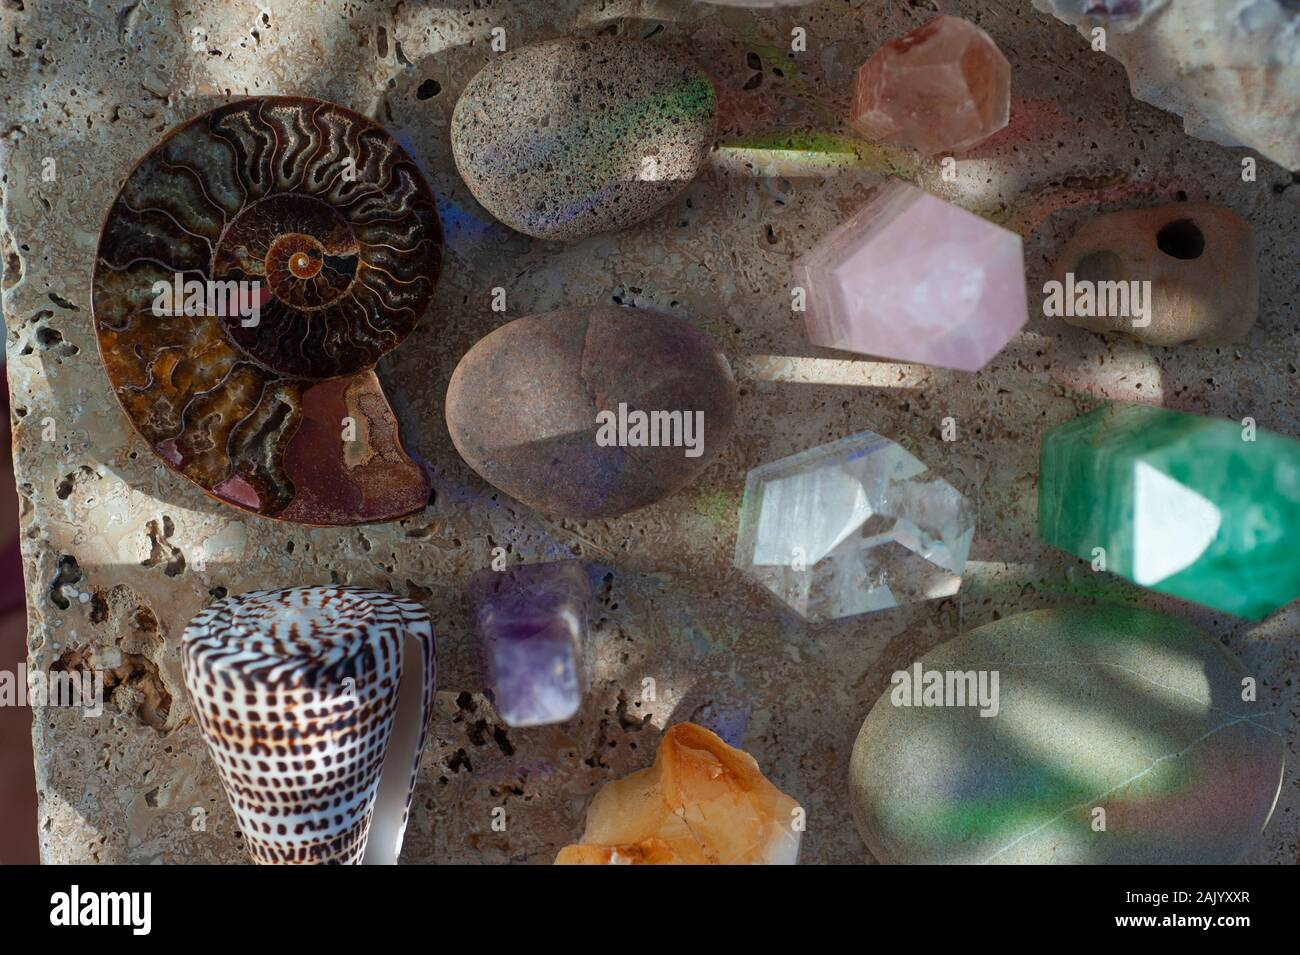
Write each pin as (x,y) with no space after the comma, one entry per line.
(943,87)
(913,278)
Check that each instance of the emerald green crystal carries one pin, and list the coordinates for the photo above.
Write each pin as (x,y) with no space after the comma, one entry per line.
(1183,504)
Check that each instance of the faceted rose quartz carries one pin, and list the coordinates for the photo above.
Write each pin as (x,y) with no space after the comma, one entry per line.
(532,620)
(701,803)
(917,279)
(944,86)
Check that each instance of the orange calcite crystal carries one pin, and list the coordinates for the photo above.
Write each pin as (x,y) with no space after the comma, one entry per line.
(944,86)
(701,803)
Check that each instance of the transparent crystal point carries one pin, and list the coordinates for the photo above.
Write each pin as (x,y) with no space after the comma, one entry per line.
(853,526)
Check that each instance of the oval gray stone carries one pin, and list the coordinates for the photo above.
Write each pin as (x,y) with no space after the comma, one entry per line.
(526,404)
(1118,735)
(576,136)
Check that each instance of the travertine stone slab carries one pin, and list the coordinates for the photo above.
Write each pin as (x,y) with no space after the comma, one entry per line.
(120,553)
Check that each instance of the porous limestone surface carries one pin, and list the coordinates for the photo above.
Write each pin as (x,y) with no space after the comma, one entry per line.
(120,552)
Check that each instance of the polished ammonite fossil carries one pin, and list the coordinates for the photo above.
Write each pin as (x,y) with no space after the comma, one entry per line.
(254,267)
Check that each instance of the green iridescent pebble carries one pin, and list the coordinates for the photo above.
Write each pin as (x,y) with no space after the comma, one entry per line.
(1180,503)
(1013,742)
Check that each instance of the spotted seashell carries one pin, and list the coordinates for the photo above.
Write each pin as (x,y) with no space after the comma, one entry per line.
(314,703)
(571,137)
(330,216)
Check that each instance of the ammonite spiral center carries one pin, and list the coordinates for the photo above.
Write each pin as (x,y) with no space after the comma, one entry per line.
(295,259)
(302,254)
(299,246)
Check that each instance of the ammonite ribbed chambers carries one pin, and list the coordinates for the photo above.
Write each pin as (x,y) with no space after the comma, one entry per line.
(314,703)
(254,267)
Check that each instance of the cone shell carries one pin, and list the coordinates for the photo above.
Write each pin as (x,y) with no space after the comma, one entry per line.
(296,694)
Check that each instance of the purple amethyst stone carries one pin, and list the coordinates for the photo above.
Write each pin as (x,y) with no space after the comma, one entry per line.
(532,620)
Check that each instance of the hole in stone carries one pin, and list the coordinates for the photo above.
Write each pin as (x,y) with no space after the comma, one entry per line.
(1098,267)
(1181,239)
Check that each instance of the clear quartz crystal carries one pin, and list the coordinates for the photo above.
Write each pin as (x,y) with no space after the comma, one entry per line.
(851,527)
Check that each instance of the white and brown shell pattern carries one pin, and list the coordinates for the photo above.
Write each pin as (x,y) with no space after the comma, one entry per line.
(314,703)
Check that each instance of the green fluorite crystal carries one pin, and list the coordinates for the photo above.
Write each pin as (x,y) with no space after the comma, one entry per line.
(1180,503)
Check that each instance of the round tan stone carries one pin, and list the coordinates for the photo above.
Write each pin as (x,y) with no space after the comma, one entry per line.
(1200,259)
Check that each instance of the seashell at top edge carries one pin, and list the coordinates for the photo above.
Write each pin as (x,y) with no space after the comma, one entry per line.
(329,215)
